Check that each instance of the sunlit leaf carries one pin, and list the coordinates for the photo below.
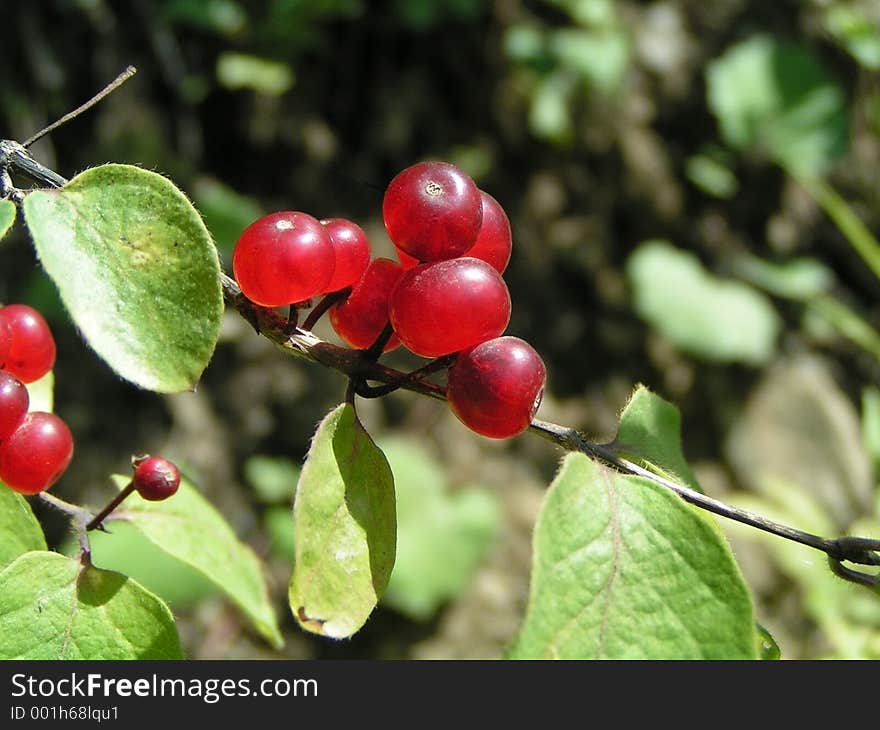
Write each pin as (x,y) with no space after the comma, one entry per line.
(136,269)
(345,528)
(54,607)
(650,430)
(624,569)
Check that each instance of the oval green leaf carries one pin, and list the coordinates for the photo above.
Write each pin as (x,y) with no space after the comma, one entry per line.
(53,607)
(20,532)
(345,528)
(624,569)
(189,528)
(717,319)
(136,269)
(7,216)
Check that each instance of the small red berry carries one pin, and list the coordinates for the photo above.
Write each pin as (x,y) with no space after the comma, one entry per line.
(14,402)
(5,340)
(351,251)
(156,478)
(360,319)
(496,387)
(406,261)
(495,240)
(37,453)
(32,347)
(283,258)
(432,211)
(447,306)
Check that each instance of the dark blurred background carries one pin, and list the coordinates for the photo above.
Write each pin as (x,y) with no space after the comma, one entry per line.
(675,173)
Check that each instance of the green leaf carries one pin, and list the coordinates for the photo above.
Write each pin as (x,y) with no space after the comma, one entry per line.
(624,569)
(716,319)
(650,430)
(344,528)
(53,607)
(128,551)
(777,98)
(768,649)
(136,269)
(7,216)
(20,532)
(432,521)
(189,528)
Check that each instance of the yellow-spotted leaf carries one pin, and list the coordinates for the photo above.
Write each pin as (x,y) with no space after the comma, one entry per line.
(136,269)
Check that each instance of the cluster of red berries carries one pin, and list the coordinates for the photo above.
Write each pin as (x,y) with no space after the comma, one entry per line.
(35,447)
(444,296)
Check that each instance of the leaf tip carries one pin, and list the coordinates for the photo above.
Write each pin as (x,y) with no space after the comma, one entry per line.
(313,625)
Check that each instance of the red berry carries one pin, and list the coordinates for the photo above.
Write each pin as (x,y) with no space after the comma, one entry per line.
(432,211)
(351,251)
(496,387)
(32,347)
(495,241)
(283,258)
(156,478)
(360,319)
(5,340)
(14,402)
(447,306)
(36,454)
(406,261)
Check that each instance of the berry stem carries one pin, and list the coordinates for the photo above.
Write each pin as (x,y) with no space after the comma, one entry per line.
(374,351)
(322,306)
(414,376)
(98,519)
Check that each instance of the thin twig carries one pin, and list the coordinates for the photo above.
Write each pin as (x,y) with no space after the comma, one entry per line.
(111,87)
